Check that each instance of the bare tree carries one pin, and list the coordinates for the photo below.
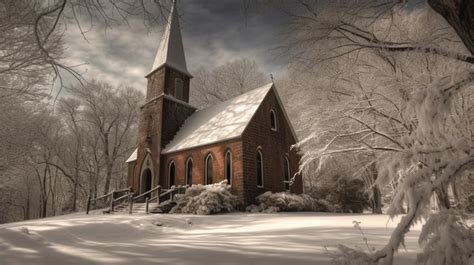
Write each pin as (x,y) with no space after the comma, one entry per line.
(110,114)
(225,82)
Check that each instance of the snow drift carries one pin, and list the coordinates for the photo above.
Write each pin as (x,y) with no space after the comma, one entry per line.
(206,199)
(286,202)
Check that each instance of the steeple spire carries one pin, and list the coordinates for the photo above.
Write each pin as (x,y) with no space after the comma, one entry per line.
(171,51)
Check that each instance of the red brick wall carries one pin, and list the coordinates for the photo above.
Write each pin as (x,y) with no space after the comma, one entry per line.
(199,155)
(153,114)
(161,81)
(274,146)
(171,75)
(156,83)
(174,115)
(149,136)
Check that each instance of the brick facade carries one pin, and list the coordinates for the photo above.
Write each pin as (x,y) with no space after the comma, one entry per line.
(163,114)
(198,156)
(274,146)
(159,120)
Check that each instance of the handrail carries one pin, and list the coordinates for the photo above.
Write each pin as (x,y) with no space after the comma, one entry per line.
(103,196)
(122,197)
(132,199)
(124,190)
(147,192)
(112,199)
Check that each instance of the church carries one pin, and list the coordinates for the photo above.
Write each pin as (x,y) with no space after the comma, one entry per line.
(246,140)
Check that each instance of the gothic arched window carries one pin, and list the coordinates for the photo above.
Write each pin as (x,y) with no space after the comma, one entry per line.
(208,170)
(189,172)
(273,120)
(228,167)
(171,174)
(259,169)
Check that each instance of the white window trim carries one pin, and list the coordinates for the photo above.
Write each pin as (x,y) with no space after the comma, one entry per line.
(225,167)
(273,113)
(190,159)
(259,151)
(169,173)
(205,168)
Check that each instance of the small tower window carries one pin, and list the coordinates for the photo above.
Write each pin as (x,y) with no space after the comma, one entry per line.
(171,174)
(189,172)
(208,170)
(179,88)
(259,169)
(228,167)
(273,120)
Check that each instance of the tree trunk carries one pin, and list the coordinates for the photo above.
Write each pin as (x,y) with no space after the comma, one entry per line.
(376,200)
(376,194)
(443,198)
(460,15)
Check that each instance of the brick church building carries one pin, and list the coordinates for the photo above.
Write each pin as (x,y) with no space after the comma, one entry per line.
(245,140)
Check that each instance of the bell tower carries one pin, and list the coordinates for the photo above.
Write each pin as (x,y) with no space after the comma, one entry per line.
(166,105)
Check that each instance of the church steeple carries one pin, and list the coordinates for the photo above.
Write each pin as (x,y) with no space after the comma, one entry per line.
(171,51)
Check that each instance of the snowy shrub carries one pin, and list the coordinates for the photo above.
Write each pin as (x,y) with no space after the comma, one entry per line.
(446,239)
(345,194)
(269,202)
(206,199)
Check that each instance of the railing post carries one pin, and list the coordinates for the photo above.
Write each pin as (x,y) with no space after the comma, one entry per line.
(146,204)
(159,194)
(88,204)
(131,204)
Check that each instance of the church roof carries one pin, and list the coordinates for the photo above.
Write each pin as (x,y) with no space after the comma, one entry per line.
(224,121)
(171,50)
(133,156)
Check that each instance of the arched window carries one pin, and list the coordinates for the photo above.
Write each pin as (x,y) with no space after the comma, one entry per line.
(286,169)
(189,172)
(171,174)
(179,88)
(228,167)
(273,120)
(259,169)
(208,170)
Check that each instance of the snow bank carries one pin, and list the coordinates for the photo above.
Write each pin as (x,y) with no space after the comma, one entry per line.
(206,199)
(294,238)
(269,202)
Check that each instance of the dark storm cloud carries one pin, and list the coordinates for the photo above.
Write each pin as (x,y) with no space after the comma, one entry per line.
(214,32)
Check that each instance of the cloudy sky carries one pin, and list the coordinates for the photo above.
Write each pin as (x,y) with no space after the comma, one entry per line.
(214,32)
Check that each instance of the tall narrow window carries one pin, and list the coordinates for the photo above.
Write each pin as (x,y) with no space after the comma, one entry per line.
(179,89)
(189,172)
(228,167)
(287,173)
(208,170)
(273,120)
(171,174)
(259,169)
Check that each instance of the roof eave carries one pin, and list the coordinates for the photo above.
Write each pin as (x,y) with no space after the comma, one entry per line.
(183,71)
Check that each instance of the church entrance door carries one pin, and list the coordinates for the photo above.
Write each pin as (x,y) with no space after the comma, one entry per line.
(146,181)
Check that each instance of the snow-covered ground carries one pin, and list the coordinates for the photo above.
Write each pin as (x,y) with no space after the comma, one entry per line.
(237,238)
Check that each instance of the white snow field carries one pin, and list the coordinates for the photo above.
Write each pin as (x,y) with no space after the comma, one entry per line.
(236,238)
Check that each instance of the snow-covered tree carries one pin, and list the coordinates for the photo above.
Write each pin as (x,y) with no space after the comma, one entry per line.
(402,80)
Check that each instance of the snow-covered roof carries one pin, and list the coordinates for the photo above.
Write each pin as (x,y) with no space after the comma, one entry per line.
(171,50)
(224,121)
(133,156)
